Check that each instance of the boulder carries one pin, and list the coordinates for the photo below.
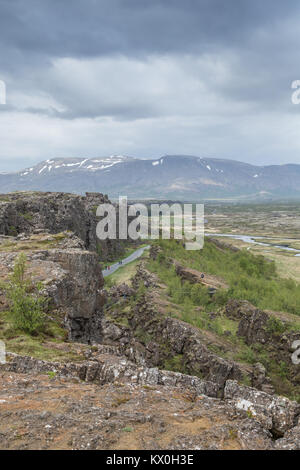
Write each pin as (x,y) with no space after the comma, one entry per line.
(277,414)
(290,441)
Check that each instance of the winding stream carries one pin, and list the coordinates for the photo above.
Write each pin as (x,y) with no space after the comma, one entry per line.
(253,240)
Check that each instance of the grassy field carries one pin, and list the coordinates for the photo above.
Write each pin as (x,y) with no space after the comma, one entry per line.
(280,219)
(250,277)
(287,264)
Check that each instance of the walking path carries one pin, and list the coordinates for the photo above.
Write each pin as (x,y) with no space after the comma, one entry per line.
(135,255)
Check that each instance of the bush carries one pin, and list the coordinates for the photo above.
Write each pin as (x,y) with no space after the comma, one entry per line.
(275,326)
(26,302)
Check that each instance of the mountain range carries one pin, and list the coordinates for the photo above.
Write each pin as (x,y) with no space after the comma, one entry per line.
(177,177)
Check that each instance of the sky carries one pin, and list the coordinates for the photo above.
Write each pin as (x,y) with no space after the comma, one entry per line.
(146,78)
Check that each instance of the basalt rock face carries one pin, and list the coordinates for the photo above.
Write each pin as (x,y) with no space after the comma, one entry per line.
(153,339)
(272,331)
(81,293)
(35,212)
(108,368)
(71,278)
(263,327)
(277,414)
(170,337)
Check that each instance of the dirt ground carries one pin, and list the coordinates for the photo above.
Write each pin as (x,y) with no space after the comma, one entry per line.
(40,412)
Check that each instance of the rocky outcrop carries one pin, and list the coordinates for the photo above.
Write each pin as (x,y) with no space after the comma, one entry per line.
(107,368)
(51,412)
(237,309)
(290,441)
(155,250)
(166,337)
(264,327)
(270,330)
(277,414)
(121,291)
(271,336)
(152,338)
(72,282)
(196,277)
(34,212)
(260,379)
(244,419)
(144,277)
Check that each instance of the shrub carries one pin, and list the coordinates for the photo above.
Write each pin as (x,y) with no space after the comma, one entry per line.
(26,302)
(275,326)
(109,282)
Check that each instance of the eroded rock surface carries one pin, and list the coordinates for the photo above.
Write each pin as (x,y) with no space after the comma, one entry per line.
(154,338)
(272,330)
(34,212)
(277,414)
(71,277)
(109,403)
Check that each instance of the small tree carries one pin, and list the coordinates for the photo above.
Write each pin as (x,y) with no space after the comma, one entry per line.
(26,302)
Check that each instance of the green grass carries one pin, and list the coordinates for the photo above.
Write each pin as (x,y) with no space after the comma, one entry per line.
(127,429)
(34,243)
(40,346)
(122,275)
(176,364)
(242,271)
(249,277)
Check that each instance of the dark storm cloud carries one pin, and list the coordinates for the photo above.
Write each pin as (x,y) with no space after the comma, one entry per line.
(166,76)
(96,27)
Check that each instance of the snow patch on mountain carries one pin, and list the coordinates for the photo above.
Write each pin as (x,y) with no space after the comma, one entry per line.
(42,169)
(59,164)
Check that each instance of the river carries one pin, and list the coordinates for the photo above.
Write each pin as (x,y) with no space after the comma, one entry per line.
(253,240)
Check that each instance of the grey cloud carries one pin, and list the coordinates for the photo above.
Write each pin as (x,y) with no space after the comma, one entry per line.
(208,76)
(92,28)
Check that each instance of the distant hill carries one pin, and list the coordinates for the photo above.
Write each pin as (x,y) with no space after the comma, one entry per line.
(174,177)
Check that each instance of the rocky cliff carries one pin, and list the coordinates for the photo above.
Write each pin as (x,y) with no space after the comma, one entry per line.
(70,275)
(130,352)
(34,212)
